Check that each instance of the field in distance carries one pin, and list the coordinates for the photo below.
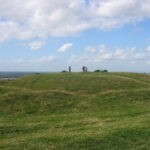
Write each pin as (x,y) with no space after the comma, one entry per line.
(76,111)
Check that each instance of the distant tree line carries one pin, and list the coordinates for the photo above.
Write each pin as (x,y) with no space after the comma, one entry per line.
(105,70)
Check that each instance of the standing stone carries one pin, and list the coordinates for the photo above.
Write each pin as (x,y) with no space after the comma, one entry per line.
(69,68)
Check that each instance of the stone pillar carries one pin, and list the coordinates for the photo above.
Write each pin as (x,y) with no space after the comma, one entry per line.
(69,68)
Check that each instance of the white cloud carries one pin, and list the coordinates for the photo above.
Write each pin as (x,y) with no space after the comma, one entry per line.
(148,62)
(131,55)
(86,58)
(39,60)
(102,48)
(36,45)
(90,49)
(133,49)
(102,57)
(121,54)
(17,61)
(42,59)
(27,19)
(94,57)
(45,63)
(139,55)
(133,62)
(65,47)
(148,48)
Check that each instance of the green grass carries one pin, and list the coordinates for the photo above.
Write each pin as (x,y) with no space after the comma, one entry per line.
(76,111)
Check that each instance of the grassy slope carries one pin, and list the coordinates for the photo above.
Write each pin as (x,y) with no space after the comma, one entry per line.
(76,111)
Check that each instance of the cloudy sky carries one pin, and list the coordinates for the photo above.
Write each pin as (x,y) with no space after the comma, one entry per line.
(50,35)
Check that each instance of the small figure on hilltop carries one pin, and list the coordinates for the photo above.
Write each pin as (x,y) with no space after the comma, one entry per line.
(84,69)
(69,68)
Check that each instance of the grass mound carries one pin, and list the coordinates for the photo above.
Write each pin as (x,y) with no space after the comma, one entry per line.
(76,111)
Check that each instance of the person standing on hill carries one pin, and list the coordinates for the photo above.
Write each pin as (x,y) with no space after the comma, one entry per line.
(83,68)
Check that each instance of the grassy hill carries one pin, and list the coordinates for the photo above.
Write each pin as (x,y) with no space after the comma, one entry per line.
(87,111)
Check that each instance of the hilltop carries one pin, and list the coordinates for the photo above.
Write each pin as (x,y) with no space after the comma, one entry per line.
(76,111)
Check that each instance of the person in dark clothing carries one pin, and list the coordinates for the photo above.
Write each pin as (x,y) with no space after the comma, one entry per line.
(83,68)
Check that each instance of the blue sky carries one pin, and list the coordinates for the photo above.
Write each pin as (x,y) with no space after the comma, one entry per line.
(52,35)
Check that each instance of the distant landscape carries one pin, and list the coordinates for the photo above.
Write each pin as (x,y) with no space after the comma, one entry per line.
(74,74)
(17,74)
(78,111)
